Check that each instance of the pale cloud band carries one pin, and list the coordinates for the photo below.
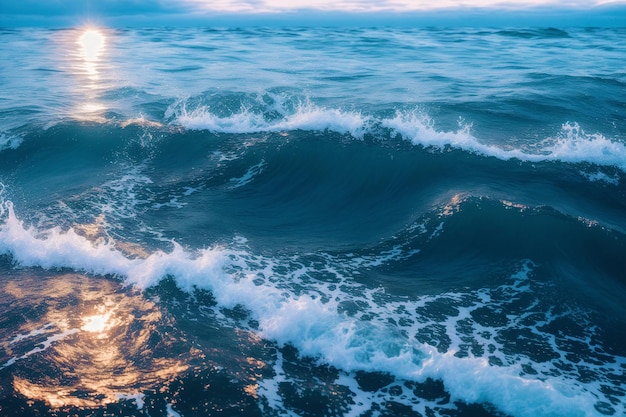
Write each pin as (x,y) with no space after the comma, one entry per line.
(364,6)
(202,12)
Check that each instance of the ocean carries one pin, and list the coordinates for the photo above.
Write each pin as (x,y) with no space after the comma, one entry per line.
(313,222)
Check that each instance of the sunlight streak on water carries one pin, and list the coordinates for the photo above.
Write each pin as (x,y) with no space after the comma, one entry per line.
(91,57)
(92,43)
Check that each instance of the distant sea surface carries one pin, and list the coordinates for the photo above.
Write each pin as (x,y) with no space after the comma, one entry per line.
(313,222)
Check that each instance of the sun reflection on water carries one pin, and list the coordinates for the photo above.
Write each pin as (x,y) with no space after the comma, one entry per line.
(95,343)
(100,323)
(96,324)
(89,64)
(92,44)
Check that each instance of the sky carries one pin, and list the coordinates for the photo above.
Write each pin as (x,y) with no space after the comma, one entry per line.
(297,12)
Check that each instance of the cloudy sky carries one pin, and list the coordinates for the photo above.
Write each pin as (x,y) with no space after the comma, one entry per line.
(142,12)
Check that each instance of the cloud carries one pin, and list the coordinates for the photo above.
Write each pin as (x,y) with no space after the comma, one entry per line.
(153,7)
(365,6)
(93,7)
(56,13)
(203,12)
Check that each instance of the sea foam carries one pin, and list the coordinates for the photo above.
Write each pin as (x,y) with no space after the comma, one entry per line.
(305,116)
(313,323)
(8,141)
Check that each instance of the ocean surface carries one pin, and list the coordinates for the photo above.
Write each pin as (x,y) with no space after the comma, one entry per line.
(313,222)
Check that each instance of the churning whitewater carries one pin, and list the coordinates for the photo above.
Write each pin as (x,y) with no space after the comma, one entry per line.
(312,222)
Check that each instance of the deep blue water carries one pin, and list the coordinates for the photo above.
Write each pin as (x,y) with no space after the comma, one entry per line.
(313,222)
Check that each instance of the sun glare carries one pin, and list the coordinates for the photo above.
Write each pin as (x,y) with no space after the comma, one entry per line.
(92,44)
(99,323)
(96,324)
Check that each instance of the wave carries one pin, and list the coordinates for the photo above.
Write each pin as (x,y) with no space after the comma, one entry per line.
(572,144)
(290,305)
(324,186)
(280,113)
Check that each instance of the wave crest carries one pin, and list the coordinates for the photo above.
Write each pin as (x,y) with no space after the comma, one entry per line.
(275,113)
(571,144)
(279,117)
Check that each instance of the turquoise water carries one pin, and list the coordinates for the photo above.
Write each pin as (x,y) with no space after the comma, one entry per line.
(312,222)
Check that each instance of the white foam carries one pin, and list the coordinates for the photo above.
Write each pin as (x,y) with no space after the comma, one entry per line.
(173,203)
(249,175)
(190,190)
(8,141)
(138,398)
(41,346)
(170,411)
(419,128)
(269,390)
(56,248)
(572,144)
(310,317)
(305,116)
(32,333)
(362,402)
(601,176)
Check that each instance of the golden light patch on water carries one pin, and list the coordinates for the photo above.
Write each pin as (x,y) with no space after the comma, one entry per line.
(55,398)
(97,324)
(96,232)
(511,204)
(14,290)
(251,390)
(91,341)
(94,342)
(453,205)
(140,121)
(101,322)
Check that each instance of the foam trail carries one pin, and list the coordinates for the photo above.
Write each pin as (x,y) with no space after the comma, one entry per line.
(41,346)
(315,327)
